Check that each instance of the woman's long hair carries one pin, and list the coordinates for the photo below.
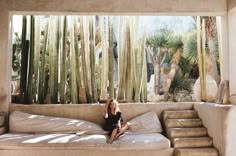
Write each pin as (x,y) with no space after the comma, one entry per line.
(117,109)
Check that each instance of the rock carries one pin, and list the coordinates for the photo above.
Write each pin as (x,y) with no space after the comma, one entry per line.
(211,89)
(152,97)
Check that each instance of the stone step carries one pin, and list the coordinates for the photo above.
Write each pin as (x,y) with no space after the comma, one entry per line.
(183,123)
(192,142)
(180,114)
(196,152)
(187,132)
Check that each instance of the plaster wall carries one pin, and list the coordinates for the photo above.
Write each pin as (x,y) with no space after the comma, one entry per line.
(4,57)
(231,4)
(232,54)
(222,23)
(121,6)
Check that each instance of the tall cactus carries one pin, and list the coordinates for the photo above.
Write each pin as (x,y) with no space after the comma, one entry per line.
(24,61)
(140,74)
(199,51)
(30,83)
(203,60)
(74,70)
(129,72)
(53,55)
(122,63)
(63,72)
(144,80)
(42,72)
(92,58)
(84,66)
(110,72)
(104,59)
(37,54)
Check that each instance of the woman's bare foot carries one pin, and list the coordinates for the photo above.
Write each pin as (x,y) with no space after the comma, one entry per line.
(109,141)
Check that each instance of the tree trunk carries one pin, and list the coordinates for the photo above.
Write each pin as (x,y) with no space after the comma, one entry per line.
(92,59)
(211,34)
(157,72)
(174,67)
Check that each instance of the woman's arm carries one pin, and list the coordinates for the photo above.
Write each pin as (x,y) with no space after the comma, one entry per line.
(105,113)
(119,124)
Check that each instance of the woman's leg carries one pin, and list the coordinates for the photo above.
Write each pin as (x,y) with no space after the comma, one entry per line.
(123,128)
(113,135)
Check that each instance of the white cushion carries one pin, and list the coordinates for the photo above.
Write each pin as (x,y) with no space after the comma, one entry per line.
(29,123)
(142,141)
(12,141)
(146,123)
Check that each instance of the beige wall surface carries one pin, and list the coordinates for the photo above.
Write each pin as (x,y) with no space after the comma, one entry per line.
(231,4)
(121,6)
(219,120)
(4,56)
(232,54)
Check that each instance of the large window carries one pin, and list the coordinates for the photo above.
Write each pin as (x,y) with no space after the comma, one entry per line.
(85,59)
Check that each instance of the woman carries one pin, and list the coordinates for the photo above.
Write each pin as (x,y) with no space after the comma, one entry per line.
(114,121)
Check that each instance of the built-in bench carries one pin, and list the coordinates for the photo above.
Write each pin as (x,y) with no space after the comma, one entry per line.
(218,119)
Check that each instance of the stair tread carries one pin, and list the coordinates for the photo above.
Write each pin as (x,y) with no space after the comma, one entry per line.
(193,138)
(180,114)
(187,132)
(183,123)
(196,152)
(192,142)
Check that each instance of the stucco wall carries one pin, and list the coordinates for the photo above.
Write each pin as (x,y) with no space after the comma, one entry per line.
(121,6)
(231,4)
(232,54)
(220,125)
(4,58)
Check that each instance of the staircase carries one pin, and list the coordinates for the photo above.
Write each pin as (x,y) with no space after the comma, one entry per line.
(188,136)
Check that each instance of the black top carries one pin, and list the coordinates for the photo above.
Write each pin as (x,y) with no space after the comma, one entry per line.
(111,122)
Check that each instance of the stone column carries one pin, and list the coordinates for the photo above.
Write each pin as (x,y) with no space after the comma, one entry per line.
(5,57)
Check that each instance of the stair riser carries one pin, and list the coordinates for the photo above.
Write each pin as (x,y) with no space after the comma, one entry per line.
(180,123)
(196,152)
